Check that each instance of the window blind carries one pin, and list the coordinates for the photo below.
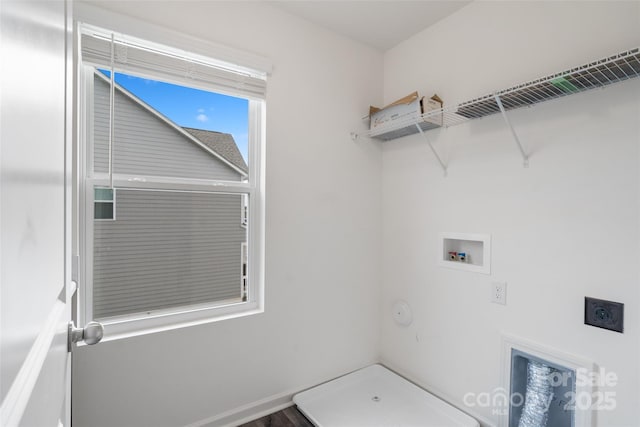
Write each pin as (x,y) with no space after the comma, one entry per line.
(139,57)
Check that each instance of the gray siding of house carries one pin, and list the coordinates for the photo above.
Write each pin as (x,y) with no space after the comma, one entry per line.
(167,249)
(145,145)
(163,249)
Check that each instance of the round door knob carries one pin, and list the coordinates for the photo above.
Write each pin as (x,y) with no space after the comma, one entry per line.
(93,332)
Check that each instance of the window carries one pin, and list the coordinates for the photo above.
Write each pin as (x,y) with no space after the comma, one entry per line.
(171,189)
(104,203)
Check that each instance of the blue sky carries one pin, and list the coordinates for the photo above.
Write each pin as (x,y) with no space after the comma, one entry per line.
(193,108)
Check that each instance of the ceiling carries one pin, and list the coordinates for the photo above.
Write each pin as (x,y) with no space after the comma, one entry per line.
(381,24)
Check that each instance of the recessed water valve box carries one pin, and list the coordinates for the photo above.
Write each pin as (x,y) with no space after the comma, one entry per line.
(604,314)
(463,251)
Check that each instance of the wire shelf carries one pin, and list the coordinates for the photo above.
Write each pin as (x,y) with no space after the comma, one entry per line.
(601,73)
(408,125)
(597,74)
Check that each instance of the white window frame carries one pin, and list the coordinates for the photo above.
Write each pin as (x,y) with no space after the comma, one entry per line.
(244,213)
(244,274)
(253,187)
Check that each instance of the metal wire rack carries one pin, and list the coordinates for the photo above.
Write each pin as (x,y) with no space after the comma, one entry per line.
(597,74)
(620,67)
(407,125)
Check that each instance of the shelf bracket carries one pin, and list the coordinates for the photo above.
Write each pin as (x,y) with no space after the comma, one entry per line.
(435,153)
(523,153)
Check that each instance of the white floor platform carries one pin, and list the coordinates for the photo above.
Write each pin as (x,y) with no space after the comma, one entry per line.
(376,397)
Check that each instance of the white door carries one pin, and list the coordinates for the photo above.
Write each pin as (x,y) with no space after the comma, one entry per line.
(35,276)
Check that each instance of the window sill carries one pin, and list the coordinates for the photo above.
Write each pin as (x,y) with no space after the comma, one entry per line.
(129,328)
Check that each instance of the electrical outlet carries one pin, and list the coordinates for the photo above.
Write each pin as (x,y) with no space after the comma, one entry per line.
(604,314)
(499,292)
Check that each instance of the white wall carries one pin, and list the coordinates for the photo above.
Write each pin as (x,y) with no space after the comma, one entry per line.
(565,228)
(322,239)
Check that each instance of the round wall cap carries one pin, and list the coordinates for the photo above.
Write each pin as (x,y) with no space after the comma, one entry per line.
(402,313)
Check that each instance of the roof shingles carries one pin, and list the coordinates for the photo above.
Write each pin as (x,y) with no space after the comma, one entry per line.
(221,143)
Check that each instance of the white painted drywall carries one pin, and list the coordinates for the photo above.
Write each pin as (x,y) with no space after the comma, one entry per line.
(566,228)
(323,244)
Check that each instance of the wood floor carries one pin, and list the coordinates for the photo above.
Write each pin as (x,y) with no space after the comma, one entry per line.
(289,417)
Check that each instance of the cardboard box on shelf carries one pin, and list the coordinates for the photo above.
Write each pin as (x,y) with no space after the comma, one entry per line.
(432,104)
(408,107)
(407,112)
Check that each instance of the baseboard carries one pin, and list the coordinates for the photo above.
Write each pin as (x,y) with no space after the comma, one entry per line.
(248,412)
(260,408)
(277,402)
